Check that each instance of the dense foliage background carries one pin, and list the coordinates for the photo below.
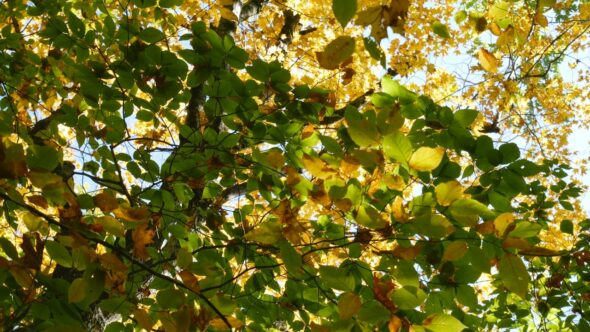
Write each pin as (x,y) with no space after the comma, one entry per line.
(209,165)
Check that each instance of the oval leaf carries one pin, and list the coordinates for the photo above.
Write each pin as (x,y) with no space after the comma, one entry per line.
(426,159)
(336,52)
(344,10)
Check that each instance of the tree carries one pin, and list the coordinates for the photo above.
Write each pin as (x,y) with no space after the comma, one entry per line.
(191,165)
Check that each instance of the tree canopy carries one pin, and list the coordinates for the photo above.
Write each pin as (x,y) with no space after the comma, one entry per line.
(170,165)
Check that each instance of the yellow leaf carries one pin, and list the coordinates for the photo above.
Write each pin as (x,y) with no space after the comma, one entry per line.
(349,305)
(541,20)
(265,233)
(227,14)
(502,222)
(317,167)
(499,10)
(455,250)
(132,214)
(426,159)
(398,210)
(395,324)
(488,61)
(448,192)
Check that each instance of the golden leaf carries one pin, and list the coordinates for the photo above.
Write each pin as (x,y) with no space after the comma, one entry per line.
(132,214)
(502,222)
(142,236)
(395,324)
(488,61)
(317,167)
(426,159)
(448,192)
(105,202)
(227,14)
(349,305)
(455,250)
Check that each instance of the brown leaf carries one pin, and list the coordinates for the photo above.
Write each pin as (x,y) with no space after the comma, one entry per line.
(190,281)
(38,200)
(381,292)
(455,250)
(409,253)
(349,305)
(111,262)
(132,214)
(143,319)
(142,236)
(105,202)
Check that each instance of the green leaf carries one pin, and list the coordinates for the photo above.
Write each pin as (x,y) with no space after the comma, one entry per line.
(408,297)
(364,133)
(259,70)
(58,253)
(567,226)
(525,230)
(373,312)
(465,117)
(443,323)
(394,89)
(77,290)
(291,257)
(467,211)
(398,147)
(8,248)
(440,29)
(510,152)
(337,278)
(170,298)
(170,3)
(369,217)
(344,10)
(43,157)
(513,274)
(336,52)
(151,35)
(372,48)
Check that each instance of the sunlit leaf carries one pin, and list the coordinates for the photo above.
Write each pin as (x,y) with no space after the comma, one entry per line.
(426,159)
(513,274)
(336,52)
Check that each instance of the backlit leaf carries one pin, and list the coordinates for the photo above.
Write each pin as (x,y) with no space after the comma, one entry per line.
(513,274)
(344,10)
(336,52)
(448,192)
(488,61)
(349,305)
(426,159)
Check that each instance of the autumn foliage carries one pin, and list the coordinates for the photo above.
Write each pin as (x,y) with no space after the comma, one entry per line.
(259,165)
